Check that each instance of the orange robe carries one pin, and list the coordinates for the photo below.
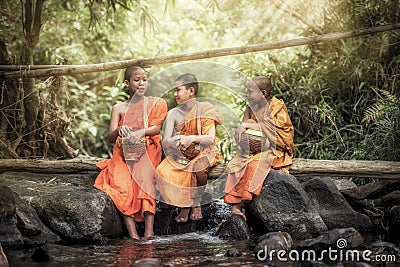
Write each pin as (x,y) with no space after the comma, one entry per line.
(246,175)
(131,184)
(175,179)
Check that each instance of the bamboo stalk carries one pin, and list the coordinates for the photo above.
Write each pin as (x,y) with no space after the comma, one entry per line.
(79,69)
(33,67)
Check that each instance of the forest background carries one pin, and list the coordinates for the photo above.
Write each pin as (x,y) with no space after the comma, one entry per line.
(342,96)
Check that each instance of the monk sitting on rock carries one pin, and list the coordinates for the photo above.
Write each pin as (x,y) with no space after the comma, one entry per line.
(189,145)
(128,176)
(266,139)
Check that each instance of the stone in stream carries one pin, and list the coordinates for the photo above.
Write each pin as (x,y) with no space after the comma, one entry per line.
(235,228)
(20,225)
(333,207)
(233,253)
(282,205)
(273,241)
(68,205)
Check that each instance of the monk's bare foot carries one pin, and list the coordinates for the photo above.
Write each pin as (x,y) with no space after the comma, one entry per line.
(135,237)
(196,214)
(237,210)
(183,215)
(147,237)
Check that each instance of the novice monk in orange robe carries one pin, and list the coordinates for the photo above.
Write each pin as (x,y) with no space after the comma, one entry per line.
(246,173)
(130,183)
(181,181)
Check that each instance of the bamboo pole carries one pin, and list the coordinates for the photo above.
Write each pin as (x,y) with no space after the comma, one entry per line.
(79,69)
(33,67)
(300,167)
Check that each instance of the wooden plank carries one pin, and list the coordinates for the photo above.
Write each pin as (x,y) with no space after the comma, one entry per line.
(346,168)
(107,66)
(301,167)
(49,166)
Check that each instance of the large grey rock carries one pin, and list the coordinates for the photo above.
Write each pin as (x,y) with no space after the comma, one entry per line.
(20,224)
(388,201)
(31,227)
(372,190)
(235,228)
(283,204)
(9,233)
(68,204)
(332,206)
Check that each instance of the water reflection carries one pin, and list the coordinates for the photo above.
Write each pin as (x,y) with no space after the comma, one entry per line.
(128,252)
(192,249)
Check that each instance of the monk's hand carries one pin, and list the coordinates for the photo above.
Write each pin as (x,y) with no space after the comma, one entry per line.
(124,130)
(238,132)
(185,141)
(135,136)
(251,121)
(251,124)
(173,141)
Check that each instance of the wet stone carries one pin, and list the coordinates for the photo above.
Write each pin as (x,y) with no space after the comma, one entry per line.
(233,252)
(274,241)
(235,228)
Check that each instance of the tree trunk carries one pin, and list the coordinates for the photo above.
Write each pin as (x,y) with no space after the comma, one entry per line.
(31,25)
(29,126)
(301,167)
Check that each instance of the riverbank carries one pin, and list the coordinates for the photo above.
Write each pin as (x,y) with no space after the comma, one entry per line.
(63,209)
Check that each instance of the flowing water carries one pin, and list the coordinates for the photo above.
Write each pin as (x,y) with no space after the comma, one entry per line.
(191,249)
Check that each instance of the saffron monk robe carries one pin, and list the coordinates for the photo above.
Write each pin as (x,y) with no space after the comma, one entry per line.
(190,126)
(130,182)
(246,172)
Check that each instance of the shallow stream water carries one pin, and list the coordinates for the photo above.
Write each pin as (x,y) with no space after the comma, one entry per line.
(191,249)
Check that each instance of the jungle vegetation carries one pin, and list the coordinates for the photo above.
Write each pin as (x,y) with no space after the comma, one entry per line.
(343,96)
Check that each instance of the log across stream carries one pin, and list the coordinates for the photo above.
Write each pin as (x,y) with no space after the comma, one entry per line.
(301,167)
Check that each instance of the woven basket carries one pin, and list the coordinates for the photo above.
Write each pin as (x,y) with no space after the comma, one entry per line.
(253,141)
(191,151)
(132,151)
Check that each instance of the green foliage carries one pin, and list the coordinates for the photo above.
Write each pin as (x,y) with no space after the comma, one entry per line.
(382,141)
(90,112)
(342,96)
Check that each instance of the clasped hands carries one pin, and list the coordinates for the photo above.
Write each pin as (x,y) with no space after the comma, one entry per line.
(127,132)
(182,141)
